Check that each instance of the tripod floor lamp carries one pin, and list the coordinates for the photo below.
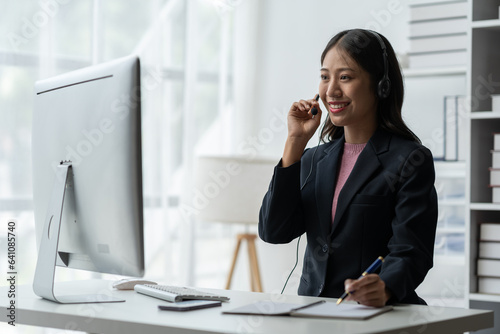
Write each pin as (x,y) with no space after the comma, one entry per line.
(238,186)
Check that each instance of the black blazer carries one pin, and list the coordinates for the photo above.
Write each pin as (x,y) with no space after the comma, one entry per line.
(387,207)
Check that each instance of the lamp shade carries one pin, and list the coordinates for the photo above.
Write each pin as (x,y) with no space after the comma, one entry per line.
(230,189)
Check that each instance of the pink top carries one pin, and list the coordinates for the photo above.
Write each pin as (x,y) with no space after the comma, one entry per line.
(349,157)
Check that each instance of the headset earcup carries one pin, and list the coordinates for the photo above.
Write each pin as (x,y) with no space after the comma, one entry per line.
(384,88)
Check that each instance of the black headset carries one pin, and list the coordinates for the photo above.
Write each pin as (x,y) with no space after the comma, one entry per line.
(384,85)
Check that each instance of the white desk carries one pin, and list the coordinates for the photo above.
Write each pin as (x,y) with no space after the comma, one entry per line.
(139,314)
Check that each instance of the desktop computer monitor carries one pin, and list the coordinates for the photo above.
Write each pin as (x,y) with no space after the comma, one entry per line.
(87,174)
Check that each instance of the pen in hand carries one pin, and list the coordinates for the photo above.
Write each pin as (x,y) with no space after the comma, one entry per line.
(374,266)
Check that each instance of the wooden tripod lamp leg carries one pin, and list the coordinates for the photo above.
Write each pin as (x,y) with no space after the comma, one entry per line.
(233,264)
(255,282)
(254,264)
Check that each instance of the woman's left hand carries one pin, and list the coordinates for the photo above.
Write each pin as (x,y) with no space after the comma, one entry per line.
(369,290)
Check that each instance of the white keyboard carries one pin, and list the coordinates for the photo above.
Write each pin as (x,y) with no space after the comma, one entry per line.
(176,293)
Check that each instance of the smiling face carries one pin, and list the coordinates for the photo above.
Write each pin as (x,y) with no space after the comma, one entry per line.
(346,91)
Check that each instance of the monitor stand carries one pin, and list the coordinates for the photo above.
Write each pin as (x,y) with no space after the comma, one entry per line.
(43,283)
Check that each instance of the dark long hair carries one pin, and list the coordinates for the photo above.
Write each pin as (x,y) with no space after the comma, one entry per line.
(364,47)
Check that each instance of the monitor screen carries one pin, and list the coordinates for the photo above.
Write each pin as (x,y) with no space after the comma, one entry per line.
(91,120)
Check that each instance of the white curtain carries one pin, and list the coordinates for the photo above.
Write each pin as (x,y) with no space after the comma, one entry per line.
(186,51)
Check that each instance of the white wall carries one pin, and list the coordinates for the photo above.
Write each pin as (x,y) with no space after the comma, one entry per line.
(291,38)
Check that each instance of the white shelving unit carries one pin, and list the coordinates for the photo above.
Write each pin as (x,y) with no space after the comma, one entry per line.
(445,282)
(483,80)
(485,115)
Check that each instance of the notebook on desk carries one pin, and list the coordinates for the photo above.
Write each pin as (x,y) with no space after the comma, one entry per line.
(321,309)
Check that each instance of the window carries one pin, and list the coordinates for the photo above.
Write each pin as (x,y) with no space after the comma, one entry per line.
(185,50)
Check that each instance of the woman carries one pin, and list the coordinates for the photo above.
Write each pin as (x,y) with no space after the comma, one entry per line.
(367,191)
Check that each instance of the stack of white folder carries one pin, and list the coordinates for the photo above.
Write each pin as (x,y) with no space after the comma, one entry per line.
(438,33)
(488,263)
(495,169)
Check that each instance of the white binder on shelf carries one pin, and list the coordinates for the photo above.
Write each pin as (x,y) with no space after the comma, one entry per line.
(440,10)
(455,127)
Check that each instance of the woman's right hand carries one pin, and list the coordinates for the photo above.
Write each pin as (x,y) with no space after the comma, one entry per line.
(301,127)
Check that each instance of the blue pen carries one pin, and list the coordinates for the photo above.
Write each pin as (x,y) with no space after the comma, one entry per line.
(374,266)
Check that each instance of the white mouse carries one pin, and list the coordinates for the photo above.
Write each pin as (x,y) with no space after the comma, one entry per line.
(129,283)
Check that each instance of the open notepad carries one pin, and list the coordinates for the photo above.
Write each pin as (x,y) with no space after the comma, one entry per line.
(321,309)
